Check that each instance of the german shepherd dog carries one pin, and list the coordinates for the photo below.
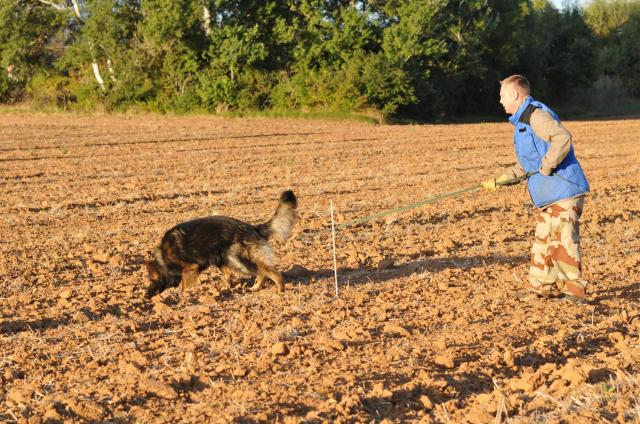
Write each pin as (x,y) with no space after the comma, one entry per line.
(232,245)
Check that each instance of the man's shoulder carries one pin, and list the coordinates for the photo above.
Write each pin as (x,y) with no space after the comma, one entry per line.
(540,117)
(538,113)
(525,118)
(545,125)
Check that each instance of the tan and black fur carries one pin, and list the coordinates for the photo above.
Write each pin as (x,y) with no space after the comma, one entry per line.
(230,244)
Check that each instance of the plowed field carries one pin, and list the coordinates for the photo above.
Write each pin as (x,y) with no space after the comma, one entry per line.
(425,327)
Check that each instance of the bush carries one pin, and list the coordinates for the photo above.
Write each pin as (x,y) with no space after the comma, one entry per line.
(5,87)
(326,89)
(215,88)
(49,90)
(385,86)
(11,89)
(365,81)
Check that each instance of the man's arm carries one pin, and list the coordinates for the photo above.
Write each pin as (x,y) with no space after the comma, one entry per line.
(516,171)
(548,129)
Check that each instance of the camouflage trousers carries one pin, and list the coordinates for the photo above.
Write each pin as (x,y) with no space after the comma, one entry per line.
(555,254)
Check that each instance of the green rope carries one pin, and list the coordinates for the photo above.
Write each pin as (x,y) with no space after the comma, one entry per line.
(407,207)
(418,204)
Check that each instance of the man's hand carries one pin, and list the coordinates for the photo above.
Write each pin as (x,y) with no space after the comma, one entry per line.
(489,184)
(544,171)
(495,183)
(502,179)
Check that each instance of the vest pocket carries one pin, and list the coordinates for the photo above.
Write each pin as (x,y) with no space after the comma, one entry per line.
(568,180)
(527,152)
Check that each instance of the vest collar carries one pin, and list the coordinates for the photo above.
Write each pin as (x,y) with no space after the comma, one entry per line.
(516,116)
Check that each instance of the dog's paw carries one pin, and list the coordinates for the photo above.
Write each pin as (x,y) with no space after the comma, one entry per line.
(256,286)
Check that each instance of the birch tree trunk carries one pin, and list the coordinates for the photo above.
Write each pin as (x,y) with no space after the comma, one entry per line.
(111,73)
(206,18)
(96,73)
(76,9)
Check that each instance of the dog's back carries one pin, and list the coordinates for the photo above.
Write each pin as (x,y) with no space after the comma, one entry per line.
(205,240)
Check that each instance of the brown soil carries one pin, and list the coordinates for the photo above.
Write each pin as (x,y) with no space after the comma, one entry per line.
(425,328)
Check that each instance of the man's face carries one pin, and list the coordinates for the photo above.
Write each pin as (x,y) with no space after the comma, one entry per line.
(509,99)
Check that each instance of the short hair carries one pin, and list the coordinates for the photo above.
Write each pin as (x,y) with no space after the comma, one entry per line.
(520,83)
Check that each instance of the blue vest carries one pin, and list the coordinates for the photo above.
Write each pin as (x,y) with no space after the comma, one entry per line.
(566,181)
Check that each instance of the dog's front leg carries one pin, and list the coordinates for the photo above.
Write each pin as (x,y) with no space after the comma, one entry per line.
(189,277)
(269,272)
(226,276)
(277,278)
(258,283)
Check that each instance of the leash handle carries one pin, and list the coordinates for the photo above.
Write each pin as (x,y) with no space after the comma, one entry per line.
(516,180)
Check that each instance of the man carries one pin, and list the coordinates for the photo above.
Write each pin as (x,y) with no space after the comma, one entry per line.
(557,186)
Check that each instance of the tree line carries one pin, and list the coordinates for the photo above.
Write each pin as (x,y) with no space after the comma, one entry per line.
(423,59)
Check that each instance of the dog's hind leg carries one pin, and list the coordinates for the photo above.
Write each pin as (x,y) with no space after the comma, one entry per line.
(189,276)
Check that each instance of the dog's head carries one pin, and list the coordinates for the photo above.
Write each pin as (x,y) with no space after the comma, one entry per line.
(155,274)
(154,271)
(161,278)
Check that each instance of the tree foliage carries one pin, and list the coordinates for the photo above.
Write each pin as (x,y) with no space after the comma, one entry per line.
(421,58)
(616,24)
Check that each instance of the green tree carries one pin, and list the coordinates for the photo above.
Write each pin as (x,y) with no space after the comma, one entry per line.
(627,59)
(31,40)
(412,41)
(172,40)
(424,58)
(606,17)
(615,22)
(559,51)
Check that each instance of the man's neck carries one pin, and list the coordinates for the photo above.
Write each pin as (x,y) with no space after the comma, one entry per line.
(524,99)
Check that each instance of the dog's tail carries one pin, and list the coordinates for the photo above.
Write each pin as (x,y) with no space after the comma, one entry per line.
(281,223)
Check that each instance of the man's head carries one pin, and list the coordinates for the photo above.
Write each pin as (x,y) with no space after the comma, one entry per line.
(513,91)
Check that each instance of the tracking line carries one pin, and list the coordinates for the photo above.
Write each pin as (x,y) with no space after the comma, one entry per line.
(417,205)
